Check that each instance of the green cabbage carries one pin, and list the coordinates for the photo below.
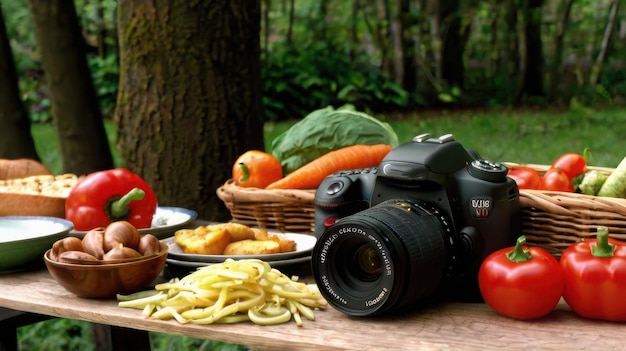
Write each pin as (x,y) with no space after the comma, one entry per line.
(328,129)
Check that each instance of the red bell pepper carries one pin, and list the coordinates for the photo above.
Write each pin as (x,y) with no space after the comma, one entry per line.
(595,277)
(107,196)
(521,282)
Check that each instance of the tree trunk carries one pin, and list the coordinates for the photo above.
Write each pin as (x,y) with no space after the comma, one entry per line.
(455,36)
(82,138)
(396,34)
(604,44)
(532,73)
(409,53)
(383,36)
(511,62)
(433,9)
(555,68)
(189,100)
(15,138)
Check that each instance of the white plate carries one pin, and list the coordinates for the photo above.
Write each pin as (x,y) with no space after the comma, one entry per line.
(165,222)
(24,239)
(279,263)
(304,246)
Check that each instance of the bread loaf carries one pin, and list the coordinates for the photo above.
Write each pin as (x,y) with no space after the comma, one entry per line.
(39,195)
(21,168)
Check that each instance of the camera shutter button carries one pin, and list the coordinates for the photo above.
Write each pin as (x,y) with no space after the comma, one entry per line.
(335,187)
(487,170)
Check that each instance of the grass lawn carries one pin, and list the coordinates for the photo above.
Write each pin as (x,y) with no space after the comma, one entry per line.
(530,136)
(534,136)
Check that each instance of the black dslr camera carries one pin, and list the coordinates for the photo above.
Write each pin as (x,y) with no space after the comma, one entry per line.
(414,229)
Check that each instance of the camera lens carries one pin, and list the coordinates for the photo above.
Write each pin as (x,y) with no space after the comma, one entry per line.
(385,258)
(367,264)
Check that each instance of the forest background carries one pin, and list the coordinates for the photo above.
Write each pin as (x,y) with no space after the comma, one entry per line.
(387,55)
(400,59)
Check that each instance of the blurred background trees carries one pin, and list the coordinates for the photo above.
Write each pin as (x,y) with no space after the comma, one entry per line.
(383,56)
(389,54)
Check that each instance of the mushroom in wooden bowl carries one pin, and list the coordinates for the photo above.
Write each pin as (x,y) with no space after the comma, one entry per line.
(104,280)
(107,261)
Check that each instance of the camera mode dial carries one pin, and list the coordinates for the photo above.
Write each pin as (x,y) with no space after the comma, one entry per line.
(487,170)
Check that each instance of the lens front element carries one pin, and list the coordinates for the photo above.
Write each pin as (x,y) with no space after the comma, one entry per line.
(366,264)
(384,258)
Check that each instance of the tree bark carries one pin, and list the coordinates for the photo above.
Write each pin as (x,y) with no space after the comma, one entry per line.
(396,34)
(433,9)
(511,62)
(532,68)
(15,138)
(455,36)
(554,70)
(82,138)
(604,44)
(189,100)
(409,51)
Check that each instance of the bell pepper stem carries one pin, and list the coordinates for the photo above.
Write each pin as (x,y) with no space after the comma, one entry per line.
(519,254)
(120,207)
(245,171)
(602,248)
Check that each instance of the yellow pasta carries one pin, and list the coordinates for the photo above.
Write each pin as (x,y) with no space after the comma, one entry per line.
(230,292)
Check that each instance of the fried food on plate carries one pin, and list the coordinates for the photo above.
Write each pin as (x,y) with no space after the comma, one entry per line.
(238,231)
(252,247)
(203,240)
(232,239)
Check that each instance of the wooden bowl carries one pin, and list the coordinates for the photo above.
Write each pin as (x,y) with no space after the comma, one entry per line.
(107,279)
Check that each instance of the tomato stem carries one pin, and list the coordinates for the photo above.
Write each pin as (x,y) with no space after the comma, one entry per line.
(602,248)
(245,171)
(519,253)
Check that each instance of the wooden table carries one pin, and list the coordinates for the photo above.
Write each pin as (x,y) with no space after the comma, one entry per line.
(447,326)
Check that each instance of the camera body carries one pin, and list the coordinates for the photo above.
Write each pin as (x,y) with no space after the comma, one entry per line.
(469,202)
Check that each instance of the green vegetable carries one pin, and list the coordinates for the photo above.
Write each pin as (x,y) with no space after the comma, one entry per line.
(592,182)
(328,129)
(615,184)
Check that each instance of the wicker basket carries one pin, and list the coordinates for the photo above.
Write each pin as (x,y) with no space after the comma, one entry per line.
(283,210)
(554,220)
(550,219)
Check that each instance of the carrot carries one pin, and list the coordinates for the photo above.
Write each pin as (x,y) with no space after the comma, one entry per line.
(311,175)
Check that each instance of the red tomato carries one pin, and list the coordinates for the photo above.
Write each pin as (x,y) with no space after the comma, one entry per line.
(525,177)
(256,169)
(572,164)
(521,282)
(595,277)
(555,179)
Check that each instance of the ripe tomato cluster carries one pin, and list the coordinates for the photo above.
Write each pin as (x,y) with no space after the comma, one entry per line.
(525,282)
(558,178)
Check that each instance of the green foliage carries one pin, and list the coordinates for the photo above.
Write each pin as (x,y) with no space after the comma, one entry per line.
(56,335)
(62,334)
(168,342)
(45,137)
(105,73)
(36,101)
(296,82)
(330,53)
